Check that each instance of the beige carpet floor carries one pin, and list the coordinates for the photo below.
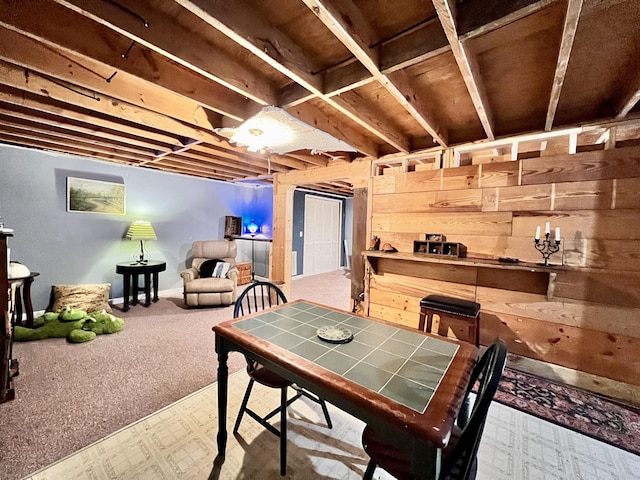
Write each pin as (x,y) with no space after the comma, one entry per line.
(71,395)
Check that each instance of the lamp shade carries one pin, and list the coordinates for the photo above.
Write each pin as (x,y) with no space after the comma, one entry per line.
(141,230)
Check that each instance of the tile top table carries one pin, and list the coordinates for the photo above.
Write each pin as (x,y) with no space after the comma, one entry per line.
(402,365)
(404,382)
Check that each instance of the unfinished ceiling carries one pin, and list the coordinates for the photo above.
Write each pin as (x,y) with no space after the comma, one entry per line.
(149,83)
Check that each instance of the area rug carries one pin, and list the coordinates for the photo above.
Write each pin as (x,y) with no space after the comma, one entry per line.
(578,410)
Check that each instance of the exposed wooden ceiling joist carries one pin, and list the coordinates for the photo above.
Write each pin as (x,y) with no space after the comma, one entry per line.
(467,64)
(148,83)
(568,35)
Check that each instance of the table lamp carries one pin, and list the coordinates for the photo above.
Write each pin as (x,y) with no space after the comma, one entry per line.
(141,230)
(253,228)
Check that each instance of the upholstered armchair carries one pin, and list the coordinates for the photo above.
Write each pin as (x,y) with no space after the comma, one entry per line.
(200,287)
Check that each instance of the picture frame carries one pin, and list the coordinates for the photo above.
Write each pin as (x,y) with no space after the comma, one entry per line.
(95,196)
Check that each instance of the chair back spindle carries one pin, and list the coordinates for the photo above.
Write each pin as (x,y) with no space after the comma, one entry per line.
(258,296)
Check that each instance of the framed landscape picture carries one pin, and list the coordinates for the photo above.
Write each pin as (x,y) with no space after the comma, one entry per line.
(93,196)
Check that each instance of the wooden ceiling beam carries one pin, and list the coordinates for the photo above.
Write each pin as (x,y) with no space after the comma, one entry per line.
(167,37)
(237,167)
(175,167)
(219,166)
(65,147)
(51,106)
(312,115)
(38,84)
(347,23)
(75,128)
(102,104)
(238,21)
(317,160)
(41,20)
(467,65)
(420,43)
(630,97)
(277,162)
(25,52)
(571,19)
(39,134)
(67,134)
(288,161)
(409,48)
(477,17)
(259,178)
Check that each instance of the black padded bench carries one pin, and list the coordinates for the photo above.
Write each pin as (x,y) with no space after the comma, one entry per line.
(462,316)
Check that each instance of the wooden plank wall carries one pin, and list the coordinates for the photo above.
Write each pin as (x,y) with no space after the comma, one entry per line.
(592,323)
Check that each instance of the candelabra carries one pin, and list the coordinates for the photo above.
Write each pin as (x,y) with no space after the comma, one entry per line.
(547,248)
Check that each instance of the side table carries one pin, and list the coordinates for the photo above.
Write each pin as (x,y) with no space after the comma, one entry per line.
(244,272)
(23,296)
(130,272)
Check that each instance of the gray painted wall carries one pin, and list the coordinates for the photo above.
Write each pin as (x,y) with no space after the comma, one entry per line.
(76,248)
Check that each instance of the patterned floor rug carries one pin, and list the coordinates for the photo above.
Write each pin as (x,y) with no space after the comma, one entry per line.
(583,412)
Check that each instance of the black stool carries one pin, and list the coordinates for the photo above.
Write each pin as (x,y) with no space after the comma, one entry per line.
(463,316)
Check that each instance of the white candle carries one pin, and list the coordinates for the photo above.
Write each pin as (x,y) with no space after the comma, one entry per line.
(547,228)
(557,233)
(538,232)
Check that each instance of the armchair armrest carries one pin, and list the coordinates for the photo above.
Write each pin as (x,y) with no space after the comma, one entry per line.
(189,274)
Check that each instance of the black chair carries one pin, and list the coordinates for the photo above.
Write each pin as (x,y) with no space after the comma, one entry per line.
(260,296)
(459,457)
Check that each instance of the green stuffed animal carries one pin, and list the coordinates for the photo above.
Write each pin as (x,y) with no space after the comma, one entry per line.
(74,324)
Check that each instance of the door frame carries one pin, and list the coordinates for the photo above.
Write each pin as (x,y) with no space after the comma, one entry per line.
(321,198)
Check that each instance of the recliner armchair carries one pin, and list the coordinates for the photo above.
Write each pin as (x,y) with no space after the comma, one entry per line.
(210,291)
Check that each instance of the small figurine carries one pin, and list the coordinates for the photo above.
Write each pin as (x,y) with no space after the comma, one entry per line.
(374,244)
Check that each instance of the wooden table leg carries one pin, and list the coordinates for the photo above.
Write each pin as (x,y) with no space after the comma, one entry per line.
(147,288)
(17,312)
(127,291)
(134,288)
(223,386)
(426,461)
(26,295)
(155,286)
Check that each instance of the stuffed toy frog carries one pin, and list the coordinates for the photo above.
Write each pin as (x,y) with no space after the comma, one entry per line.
(74,324)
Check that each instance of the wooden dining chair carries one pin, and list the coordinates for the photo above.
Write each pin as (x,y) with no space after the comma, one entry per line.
(260,296)
(459,456)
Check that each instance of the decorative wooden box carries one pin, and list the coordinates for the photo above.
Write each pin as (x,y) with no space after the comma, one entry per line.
(244,272)
(232,226)
(450,249)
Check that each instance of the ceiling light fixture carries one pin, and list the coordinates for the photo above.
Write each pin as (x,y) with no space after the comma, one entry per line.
(274,130)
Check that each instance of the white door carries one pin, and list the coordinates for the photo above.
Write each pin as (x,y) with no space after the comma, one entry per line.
(322,229)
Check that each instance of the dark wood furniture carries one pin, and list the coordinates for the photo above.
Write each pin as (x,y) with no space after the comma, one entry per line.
(261,296)
(149,271)
(429,247)
(8,365)
(23,298)
(232,226)
(459,459)
(459,315)
(414,409)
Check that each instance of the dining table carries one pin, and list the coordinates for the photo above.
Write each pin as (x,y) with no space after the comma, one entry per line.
(407,384)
